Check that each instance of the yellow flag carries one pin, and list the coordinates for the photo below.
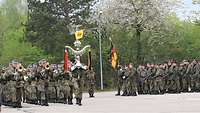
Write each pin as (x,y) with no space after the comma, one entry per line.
(79,34)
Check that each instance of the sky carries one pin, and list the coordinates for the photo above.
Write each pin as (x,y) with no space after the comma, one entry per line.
(182,12)
(186,9)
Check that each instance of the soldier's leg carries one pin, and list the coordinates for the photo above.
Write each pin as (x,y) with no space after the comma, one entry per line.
(161,86)
(43,95)
(118,89)
(71,91)
(91,89)
(178,86)
(18,97)
(124,89)
(78,91)
(184,88)
(156,87)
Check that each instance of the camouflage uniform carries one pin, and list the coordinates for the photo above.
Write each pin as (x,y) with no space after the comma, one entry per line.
(195,77)
(31,88)
(120,73)
(159,81)
(183,77)
(90,79)
(12,92)
(143,80)
(2,84)
(42,85)
(52,87)
(151,77)
(190,78)
(173,79)
(77,80)
(125,82)
(131,81)
(63,89)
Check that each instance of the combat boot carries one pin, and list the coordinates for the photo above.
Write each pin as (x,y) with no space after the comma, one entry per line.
(124,93)
(80,102)
(118,93)
(92,95)
(70,101)
(77,101)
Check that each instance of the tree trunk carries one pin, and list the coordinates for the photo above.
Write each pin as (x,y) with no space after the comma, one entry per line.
(138,46)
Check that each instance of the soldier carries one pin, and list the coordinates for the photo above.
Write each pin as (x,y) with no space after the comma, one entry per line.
(132,84)
(173,79)
(198,76)
(194,78)
(90,79)
(77,80)
(63,88)
(159,82)
(143,83)
(13,87)
(52,90)
(190,75)
(151,70)
(120,74)
(2,71)
(42,82)
(31,85)
(183,75)
(125,82)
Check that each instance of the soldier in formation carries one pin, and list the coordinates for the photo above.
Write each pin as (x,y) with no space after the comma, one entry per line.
(169,77)
(43,83)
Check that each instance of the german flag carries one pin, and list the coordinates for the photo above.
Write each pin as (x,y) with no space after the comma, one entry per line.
(113,56)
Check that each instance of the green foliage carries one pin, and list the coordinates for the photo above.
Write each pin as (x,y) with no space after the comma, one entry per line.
(12,42)
(15,48)
(49,25)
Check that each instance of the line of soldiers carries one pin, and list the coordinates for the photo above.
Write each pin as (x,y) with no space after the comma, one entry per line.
(169,77)
(43,83)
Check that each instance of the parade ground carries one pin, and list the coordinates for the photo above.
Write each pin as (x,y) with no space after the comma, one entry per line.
(106,102)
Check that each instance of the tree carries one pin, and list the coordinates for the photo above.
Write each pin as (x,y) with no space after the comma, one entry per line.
(51,23)
(142,15)
(13,15)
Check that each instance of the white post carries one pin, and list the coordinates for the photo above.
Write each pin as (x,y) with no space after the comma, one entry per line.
(100,55)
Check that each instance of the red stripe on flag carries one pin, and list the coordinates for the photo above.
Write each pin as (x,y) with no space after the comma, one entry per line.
(66,61)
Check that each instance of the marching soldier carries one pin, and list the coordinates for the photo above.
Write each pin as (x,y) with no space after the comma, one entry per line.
(12,90)
(125,82)
(183,76)
(132,84)
(2,83)
(42,82)
(52,90)
(63,89)
(151,70)
(120,74)
(190,75)
(159,82)
(31,85)
(194,75)
(77,80)
(90,79)
(143,83)
(173,80)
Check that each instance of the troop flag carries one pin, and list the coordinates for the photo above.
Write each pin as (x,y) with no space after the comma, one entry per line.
(89,60)
(79,34)
(66,60)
